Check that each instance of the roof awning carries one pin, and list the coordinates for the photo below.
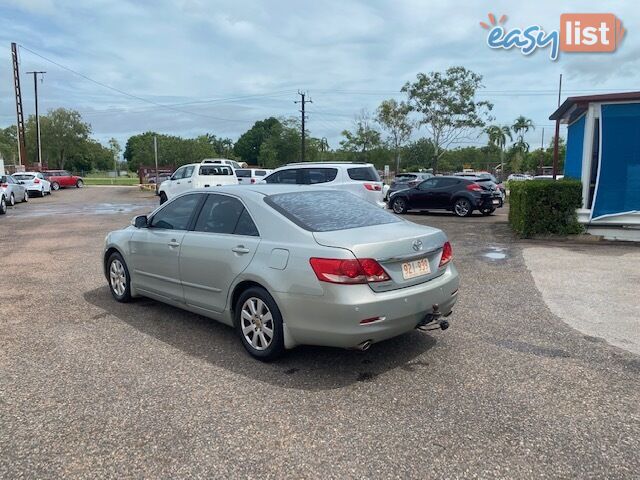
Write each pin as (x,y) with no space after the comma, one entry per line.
(573,107)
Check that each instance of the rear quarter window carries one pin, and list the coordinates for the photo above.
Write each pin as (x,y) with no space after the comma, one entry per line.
(327,210)
(363,174)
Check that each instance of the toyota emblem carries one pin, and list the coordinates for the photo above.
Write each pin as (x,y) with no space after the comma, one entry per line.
(417,245)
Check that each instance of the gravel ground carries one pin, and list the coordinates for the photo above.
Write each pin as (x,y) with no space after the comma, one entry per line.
(92,388)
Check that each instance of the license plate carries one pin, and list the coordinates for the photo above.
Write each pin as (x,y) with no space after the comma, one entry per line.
(417,268)
(496,202)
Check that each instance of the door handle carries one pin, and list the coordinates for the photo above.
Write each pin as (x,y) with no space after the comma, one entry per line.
(189,181)
(240,249)
(173,243)
(177,183)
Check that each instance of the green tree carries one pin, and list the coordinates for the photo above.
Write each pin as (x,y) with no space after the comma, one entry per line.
(248,145)
(362,139)
(9,144)
(498,138)
(393,117)
(520,148)
(447,106)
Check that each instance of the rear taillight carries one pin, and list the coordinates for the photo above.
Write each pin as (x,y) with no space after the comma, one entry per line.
(474,187)
(4,185)
(373,187)
(447,254)
(36,181)
(253,180)
(335,270)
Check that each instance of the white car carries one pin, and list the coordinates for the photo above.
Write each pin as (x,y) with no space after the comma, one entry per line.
(247,176)
(224,161)
(197,175)
(519,177)
(361,179)
(34,182)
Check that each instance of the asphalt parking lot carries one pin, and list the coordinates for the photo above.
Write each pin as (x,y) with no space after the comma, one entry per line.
(92,388)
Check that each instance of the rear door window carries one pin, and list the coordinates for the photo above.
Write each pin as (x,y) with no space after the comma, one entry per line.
(363,174)
(340,210)
(313,176)
(241,173)
(208,170)
(223,214)
(260,173)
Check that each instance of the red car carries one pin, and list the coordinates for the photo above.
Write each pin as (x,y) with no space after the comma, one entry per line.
(62,179)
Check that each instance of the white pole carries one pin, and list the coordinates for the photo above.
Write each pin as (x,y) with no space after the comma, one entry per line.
(155,154)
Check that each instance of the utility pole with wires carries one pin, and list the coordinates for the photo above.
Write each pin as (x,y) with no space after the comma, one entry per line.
(302,102)
(38,143)
(22,149)
(555,140)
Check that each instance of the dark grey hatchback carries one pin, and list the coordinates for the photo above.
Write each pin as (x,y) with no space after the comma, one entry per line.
(460,195)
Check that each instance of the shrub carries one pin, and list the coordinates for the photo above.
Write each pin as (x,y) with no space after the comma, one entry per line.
(545,207)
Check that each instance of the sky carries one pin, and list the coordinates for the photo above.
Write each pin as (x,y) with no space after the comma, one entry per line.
(194,66)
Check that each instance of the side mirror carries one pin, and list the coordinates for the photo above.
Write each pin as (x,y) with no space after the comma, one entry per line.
(140,221)
(21,182)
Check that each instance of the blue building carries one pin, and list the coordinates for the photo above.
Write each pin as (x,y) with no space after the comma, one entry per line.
(603,151)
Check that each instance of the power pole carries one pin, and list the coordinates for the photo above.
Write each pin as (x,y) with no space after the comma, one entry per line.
(22,150)
(542,152)
(38,144)
(155,156)
(302,101)
(555,140)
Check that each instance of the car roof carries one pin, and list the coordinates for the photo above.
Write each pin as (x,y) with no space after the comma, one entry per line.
(326,164)
(260,189)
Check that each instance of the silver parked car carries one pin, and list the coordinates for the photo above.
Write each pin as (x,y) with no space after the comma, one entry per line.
(11,192)
(287,265)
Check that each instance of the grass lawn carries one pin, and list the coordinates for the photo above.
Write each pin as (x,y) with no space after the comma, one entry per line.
(111,181)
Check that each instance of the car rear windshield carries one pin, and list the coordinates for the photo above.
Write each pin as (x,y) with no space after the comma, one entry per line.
(364,174)
(215,170)
(327,211)
(24,177)
(243,173)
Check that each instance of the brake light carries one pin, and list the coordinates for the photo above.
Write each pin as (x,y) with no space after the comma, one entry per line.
(36,181)
(4,185)
(474,187)
(373,187)
(356,271)
(253,180)
(447,254)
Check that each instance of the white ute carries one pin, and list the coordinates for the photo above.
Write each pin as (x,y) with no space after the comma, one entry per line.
(197,175)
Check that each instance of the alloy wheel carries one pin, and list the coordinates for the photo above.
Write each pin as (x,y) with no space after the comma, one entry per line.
(462,208)
(55,186)
(12,200)
(26,196)
(398,206)
(3,206)
(257,323)
(118,277)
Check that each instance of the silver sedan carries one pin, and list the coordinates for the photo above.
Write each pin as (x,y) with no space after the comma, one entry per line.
(11,192)
(287,265)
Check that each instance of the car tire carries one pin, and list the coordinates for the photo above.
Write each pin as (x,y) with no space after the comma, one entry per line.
(3,205)
(42,193)
(256,314)
(26,197)
(462,207)
(163,197)
(399,206)
(118,277)
(487,211)
(79,184)
(12,200)
(55,186)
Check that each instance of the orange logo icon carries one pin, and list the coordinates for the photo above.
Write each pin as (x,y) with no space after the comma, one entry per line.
(590,32)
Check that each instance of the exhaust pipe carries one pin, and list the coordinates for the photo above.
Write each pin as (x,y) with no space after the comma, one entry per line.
(364,346)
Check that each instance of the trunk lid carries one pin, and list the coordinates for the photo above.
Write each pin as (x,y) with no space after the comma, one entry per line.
(392,245)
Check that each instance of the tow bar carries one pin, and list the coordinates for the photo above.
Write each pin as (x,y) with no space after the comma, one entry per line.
(433,320)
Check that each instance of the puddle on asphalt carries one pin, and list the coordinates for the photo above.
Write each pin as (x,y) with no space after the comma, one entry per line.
(495,253)
(91,209)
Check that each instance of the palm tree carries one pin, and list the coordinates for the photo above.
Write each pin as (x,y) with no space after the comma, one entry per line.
(498,137)
(520,127)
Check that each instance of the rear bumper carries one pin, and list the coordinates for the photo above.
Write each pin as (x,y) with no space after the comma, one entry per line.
(333,319)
